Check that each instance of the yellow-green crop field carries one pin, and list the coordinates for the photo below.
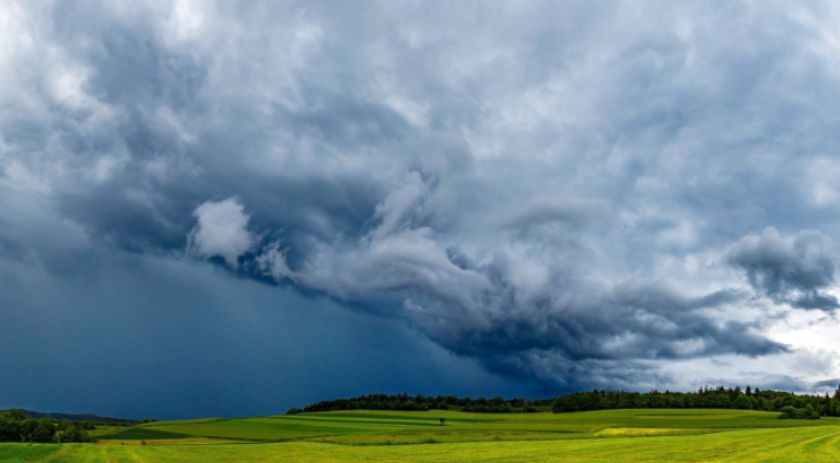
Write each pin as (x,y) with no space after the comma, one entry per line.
(353,436)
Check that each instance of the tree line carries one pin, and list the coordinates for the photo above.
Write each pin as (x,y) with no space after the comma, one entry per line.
(18,425)
(790,405)
(421,402)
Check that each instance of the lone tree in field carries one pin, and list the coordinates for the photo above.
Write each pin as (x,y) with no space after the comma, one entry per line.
(442,421)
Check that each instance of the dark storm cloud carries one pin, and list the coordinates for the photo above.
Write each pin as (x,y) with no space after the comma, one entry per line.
(794,270)
(164,337)
(497,313)
(630,322)
(537,186)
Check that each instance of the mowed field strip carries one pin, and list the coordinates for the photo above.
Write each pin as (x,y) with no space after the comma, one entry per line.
(659,435)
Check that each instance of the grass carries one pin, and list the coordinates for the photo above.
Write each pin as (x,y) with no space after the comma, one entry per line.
(615,435)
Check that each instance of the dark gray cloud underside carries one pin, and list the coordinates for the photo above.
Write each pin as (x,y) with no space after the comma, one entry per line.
(565,193)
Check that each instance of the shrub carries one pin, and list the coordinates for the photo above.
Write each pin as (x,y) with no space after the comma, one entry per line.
(789,412)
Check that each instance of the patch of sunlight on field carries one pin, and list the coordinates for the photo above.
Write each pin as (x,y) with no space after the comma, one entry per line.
(637,432)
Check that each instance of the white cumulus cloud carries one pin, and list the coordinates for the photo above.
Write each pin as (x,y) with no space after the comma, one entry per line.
(221,231)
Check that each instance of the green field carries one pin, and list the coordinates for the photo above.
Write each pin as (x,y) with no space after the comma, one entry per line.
(351,436)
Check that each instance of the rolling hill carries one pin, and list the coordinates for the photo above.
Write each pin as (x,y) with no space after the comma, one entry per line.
(345,436)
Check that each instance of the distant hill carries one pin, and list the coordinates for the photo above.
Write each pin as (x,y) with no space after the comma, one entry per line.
(77,417)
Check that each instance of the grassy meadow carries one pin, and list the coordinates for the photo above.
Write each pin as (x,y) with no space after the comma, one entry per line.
(659,435)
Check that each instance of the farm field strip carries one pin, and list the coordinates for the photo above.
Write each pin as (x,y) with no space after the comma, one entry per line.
(803,444)
(615,435)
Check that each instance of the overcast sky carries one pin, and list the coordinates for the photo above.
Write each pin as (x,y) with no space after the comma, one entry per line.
(230,208)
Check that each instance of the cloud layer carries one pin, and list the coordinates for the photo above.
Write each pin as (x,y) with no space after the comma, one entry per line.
(574,194)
